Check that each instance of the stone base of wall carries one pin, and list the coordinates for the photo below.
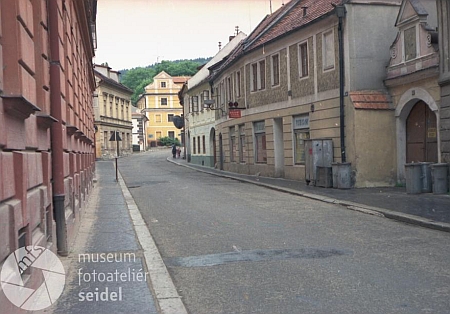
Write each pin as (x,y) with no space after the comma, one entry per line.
(207,161)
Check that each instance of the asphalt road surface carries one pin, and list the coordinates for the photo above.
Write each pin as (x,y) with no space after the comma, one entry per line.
(234,247)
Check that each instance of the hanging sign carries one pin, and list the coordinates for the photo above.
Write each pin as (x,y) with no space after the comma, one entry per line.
(234,113)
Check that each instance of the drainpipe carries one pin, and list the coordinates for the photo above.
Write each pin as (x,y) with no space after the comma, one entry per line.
(340,12)
(57,130)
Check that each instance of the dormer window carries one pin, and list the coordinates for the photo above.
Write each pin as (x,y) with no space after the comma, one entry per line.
(163,84)
(410,43)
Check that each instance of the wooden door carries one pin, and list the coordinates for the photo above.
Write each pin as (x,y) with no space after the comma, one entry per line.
(421,134)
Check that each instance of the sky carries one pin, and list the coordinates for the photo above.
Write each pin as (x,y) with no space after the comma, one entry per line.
(138,33)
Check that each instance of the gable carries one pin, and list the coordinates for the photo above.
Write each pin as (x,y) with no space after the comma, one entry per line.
(410,10)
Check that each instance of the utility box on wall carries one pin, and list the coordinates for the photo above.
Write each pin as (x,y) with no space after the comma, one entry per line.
(318,153)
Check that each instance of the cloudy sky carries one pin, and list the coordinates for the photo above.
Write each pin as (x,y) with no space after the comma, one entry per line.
(132,33)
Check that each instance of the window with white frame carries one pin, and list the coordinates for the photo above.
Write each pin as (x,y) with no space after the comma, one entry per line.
(303,59)
(229,89)
(262,74)
(260,142)
(163,101)
(193,146)
(301,133)
(163,85)
(170,117)
(194,102)
(275,75)
(410,43)
(328,53)
(258,76)
(199,144)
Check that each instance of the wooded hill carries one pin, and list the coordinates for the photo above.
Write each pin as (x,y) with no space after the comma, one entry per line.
(137,78)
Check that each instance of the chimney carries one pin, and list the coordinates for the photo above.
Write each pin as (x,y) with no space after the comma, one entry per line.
(231,38)
(220,45)
(304,11)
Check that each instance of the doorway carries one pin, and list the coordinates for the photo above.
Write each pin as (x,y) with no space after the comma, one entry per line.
(421,134)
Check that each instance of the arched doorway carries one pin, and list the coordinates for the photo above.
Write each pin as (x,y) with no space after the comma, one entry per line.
(406,139)
(421,134)
(221,152)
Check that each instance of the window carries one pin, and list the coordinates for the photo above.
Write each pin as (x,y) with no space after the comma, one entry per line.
(303,59)
(163,101)
(254,80)
(301,133)
(194,102)
(238,84)
(158,118)
(198,141)
(170,117)
(172,134)
(158,135)
(260,142)
(232,144)
(229,89)
(242,143)
(193,146)
(204,144)
(163,84)
(410,43)
(262,74)
(328,50)
(105,139)
(275,70)
(258,76)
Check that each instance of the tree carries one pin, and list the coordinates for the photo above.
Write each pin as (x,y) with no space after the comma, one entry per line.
(137,78)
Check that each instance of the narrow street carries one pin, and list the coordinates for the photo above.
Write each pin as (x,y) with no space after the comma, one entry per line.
(234,247)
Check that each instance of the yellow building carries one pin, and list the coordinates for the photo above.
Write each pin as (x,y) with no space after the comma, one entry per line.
(160,103)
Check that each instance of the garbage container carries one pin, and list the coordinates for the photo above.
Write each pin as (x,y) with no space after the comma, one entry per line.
(439,176)
(413,174)
(342,175)
(426,176)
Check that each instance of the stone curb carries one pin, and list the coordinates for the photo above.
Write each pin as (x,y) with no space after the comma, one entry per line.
(166,294)
(366,209)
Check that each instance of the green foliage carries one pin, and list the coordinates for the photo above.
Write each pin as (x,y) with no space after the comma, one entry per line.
(137,78)
(168,141)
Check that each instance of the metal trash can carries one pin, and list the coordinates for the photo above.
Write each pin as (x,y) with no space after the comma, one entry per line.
(413,176)
(426,176)
(439,176)
(342,175)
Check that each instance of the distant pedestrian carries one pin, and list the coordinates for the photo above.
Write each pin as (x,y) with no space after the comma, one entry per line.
(174,151)
(178,152)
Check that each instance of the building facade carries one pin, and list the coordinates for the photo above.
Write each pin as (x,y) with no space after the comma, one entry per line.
(443,13)
(46,123)
(112,106)
(139,120)
(412,79)
(287,80)
(161,104)
(199,110)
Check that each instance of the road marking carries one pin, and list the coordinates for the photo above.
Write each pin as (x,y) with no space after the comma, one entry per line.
(166,294)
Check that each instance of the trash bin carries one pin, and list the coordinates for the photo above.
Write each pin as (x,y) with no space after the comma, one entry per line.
(439,176)
(413,175)
(342,175)
(426,176)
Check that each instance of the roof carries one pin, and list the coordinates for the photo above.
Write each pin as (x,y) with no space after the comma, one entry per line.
(288,18)
(285,20)
(374,100)
(112,82)
(180,79)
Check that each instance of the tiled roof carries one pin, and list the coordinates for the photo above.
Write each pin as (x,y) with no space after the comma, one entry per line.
(180,79)
(289,18)
(112,82)
(374,100)
(286,19)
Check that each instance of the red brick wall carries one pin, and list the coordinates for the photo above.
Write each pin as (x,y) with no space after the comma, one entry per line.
(27,117)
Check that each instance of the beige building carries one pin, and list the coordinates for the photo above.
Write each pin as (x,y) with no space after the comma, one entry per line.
(112,106)
(161,104)
(412,79)
(290,88)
